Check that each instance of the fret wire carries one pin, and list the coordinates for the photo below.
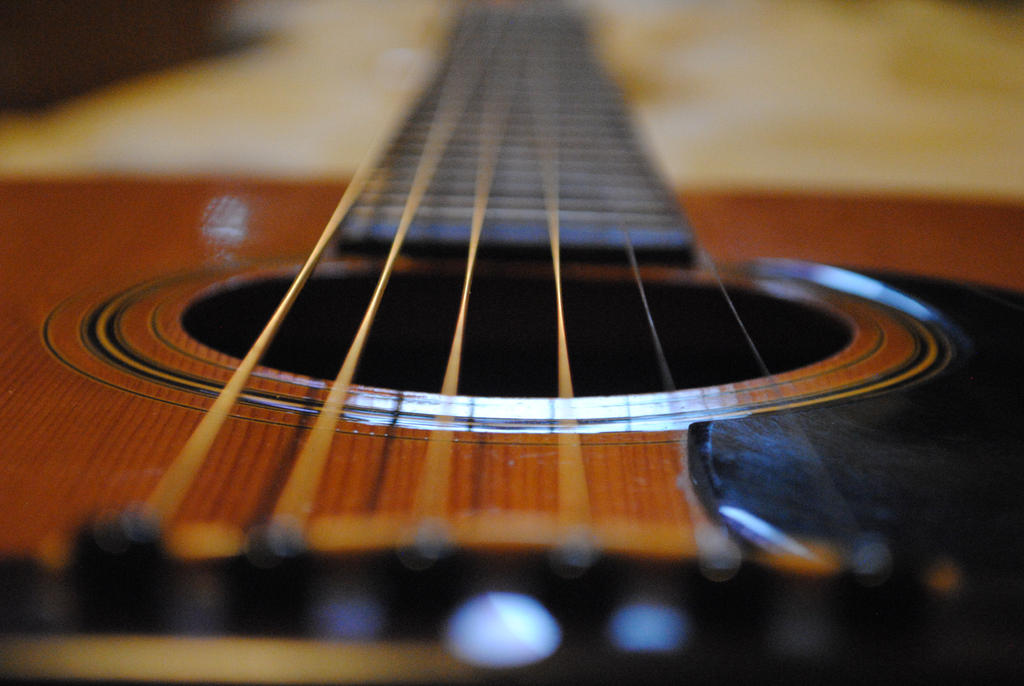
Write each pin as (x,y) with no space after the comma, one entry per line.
(460,189)
(577,163)
(539,216)
(461,153)
(524,179)
(579,142)
(578,121)
(582,118)
(521,188)
(507,202)
(527,217)
(610,169)
(591,131)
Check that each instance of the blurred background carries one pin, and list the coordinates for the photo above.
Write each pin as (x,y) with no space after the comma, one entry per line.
(908,96)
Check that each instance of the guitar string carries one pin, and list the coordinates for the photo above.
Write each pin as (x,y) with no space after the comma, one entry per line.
(841,510)
(717,553)
(299,490)
(295,501)
(170,491)
(543,123)
(494,118)
(573,496)
(664,372)
(991,293)
(431,494)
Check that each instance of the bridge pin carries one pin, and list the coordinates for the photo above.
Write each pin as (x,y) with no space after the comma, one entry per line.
(269,584)
(117,572)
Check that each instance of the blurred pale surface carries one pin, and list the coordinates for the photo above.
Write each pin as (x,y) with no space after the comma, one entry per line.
(907,96)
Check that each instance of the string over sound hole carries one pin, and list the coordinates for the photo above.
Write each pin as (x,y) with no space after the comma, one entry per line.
(510,344)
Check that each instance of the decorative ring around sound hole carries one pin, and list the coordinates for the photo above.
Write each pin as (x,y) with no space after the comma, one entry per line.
(145,340)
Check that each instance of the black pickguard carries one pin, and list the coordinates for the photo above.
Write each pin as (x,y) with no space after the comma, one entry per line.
(936,469)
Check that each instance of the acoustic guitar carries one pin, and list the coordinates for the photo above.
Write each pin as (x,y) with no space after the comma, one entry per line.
(506,420)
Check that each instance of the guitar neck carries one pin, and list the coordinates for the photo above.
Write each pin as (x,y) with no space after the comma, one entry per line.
(529,89)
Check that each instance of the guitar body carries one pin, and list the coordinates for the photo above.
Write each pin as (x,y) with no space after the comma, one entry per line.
(928,464)
(505,421)
(124,423)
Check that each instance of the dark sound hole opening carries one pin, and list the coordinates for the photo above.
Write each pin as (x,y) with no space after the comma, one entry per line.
(510,346)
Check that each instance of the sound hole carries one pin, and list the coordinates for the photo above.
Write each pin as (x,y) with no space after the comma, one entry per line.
(510,345)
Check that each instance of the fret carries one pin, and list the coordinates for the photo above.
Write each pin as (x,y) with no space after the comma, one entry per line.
(633,207)
(466,142)
(524,184)
(583,175)
(570,158)
(594,242)
(579,116)
(621,170)
(530,216)
(600,178)
(606,184)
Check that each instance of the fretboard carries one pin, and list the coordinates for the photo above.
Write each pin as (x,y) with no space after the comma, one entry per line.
(556,102)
